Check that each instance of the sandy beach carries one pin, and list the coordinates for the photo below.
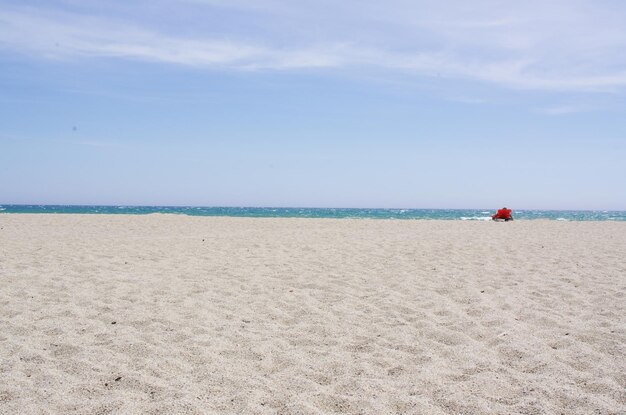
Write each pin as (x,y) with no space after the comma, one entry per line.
(171,314)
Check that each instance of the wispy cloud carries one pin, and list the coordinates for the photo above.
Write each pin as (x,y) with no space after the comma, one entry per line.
(561,45)
(468,100)
(59,36)
(566,109)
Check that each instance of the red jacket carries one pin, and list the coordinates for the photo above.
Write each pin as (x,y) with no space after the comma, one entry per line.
(503,214)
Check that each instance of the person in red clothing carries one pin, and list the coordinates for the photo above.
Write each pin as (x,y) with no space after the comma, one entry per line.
(504,214)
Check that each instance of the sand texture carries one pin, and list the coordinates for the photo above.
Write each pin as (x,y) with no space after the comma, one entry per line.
(166,314)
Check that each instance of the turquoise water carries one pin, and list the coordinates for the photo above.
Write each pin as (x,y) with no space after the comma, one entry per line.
(446,214)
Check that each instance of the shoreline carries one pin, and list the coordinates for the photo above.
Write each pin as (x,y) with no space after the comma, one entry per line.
(407,219)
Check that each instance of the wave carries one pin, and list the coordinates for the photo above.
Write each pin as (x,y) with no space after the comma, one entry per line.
(303,212)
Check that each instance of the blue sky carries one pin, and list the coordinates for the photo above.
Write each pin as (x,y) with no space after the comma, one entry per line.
(415,104)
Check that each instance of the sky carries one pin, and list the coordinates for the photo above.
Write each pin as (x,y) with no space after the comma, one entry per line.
(396,104)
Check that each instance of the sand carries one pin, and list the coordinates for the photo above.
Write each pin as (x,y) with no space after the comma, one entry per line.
(165,314)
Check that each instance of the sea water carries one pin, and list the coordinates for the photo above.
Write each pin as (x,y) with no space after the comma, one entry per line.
(354,213)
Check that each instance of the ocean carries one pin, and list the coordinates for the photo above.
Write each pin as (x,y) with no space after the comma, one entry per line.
(352,213)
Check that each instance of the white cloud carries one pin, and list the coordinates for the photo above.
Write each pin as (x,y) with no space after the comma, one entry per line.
(61,36)
(565,109)
(561,45)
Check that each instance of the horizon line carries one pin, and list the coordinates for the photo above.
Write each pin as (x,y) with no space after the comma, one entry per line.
(301,207)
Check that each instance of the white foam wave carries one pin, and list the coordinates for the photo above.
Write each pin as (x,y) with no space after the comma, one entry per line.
(484,218)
